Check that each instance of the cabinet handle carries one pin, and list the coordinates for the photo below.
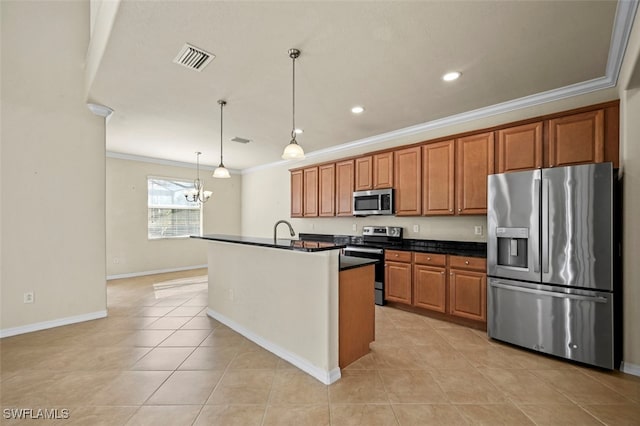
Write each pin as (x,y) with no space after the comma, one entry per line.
(466,262)
(396,255)
(450,210)
(428,258)
(442,272)
(459,210)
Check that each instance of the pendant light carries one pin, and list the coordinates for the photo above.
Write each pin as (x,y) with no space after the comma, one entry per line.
(293,151)
(197,194)
(221,172)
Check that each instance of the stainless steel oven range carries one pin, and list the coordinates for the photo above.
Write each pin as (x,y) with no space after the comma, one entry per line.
(375,239)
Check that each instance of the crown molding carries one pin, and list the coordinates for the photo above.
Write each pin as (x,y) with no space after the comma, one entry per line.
(144,159)
(625,13)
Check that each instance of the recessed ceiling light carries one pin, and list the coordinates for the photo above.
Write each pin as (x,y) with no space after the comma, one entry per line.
(357,110)
(298,131)
(450,76)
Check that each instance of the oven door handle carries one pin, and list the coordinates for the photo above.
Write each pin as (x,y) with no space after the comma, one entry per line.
(363,250)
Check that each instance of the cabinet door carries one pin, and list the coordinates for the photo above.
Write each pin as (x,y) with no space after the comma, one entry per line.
(429,288)
(438,168)
(383,170)
(520,148)
(474,163)
(310,182)
(327,190)
(408,181)
(468,294)
(364,173)
(398,282)
(576,139)
(344,188)
(296,193)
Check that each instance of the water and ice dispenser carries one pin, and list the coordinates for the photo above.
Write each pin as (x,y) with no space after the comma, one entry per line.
(512,247)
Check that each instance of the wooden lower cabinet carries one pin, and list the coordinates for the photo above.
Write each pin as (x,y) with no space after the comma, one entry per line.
(356,314)
(448,284)
(430,288)
(398,282)
(468,294)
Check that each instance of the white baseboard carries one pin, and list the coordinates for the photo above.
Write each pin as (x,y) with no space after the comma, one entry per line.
(326,377)
(157,271)
(627,367)
(51,324)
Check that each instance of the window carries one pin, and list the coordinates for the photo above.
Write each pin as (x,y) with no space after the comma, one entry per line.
(170,215)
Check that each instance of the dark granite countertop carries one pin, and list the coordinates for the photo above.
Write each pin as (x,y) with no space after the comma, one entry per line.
(298,245)
(456,248)
(350,262)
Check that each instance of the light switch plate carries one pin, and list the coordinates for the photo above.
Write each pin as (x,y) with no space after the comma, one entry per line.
(416,228)
(478,230)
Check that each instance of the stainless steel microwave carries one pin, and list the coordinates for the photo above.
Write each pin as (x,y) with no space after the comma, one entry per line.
(375,202)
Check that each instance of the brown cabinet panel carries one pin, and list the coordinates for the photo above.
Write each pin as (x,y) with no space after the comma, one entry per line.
(356,313)
(465,262)
(344,188)
(296,193)
(474,162)
(438,172)
(468,294)
(397,256)
(398,282)
(408,181)
(364,173)
(310,182)
(383,170)
(520,148)
(430,259)
(576,139)
(327,190)
(429,288)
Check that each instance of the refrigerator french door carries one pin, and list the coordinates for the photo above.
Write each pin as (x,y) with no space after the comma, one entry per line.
(550,261)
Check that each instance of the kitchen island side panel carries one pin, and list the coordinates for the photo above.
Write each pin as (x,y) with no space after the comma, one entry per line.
(284,300)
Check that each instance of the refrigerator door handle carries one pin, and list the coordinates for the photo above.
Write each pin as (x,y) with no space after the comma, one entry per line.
(545,226)
(534,241)
(597,299)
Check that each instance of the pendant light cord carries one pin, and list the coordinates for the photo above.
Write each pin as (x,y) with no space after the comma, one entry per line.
(293,130)
(221,108)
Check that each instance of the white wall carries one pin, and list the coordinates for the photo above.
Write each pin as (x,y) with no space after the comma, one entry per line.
(128,249)
(53,168)
(629,87)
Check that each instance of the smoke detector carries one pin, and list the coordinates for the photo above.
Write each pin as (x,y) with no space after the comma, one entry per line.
(193,57)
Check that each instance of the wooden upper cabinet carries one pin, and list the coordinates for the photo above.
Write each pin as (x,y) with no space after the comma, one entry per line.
(408,182)
(364,173)
(474,162)
(327,190)
(576,139)
(310,183)
(344,188)
(438,172)
(296,193)
(520,148)
(383,170)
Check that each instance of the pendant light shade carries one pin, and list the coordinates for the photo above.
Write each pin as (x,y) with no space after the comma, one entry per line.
(293,151)
(221,171)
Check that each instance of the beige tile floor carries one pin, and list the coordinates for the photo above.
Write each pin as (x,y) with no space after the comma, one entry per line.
(159,360)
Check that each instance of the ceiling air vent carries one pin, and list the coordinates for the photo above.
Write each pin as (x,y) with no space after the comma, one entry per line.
(240,140)
(193,57)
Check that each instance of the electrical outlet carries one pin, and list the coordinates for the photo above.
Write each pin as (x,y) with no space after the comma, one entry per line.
(416,228)
(116,260)
(29,297)
(354,227)
(478,230)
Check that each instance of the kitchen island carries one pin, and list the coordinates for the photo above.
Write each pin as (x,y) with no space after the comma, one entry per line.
(286,296)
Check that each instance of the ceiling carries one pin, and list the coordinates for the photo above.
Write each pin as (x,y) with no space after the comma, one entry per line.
(386,56)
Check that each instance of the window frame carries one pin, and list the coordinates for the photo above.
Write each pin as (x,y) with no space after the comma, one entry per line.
(194,206)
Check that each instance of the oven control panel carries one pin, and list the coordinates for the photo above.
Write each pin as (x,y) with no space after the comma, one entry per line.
(382,231)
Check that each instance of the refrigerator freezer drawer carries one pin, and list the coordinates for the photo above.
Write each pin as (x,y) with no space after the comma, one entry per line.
(576,325)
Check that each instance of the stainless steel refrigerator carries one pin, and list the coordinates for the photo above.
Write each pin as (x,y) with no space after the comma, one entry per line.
(551,262)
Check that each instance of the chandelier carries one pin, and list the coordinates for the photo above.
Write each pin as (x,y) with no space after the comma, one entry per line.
(197,194)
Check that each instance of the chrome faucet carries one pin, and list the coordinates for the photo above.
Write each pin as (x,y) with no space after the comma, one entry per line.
(275,230)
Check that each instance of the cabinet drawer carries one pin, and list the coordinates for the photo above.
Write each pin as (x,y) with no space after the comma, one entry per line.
(397,256)
(430,259)
(464,262)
